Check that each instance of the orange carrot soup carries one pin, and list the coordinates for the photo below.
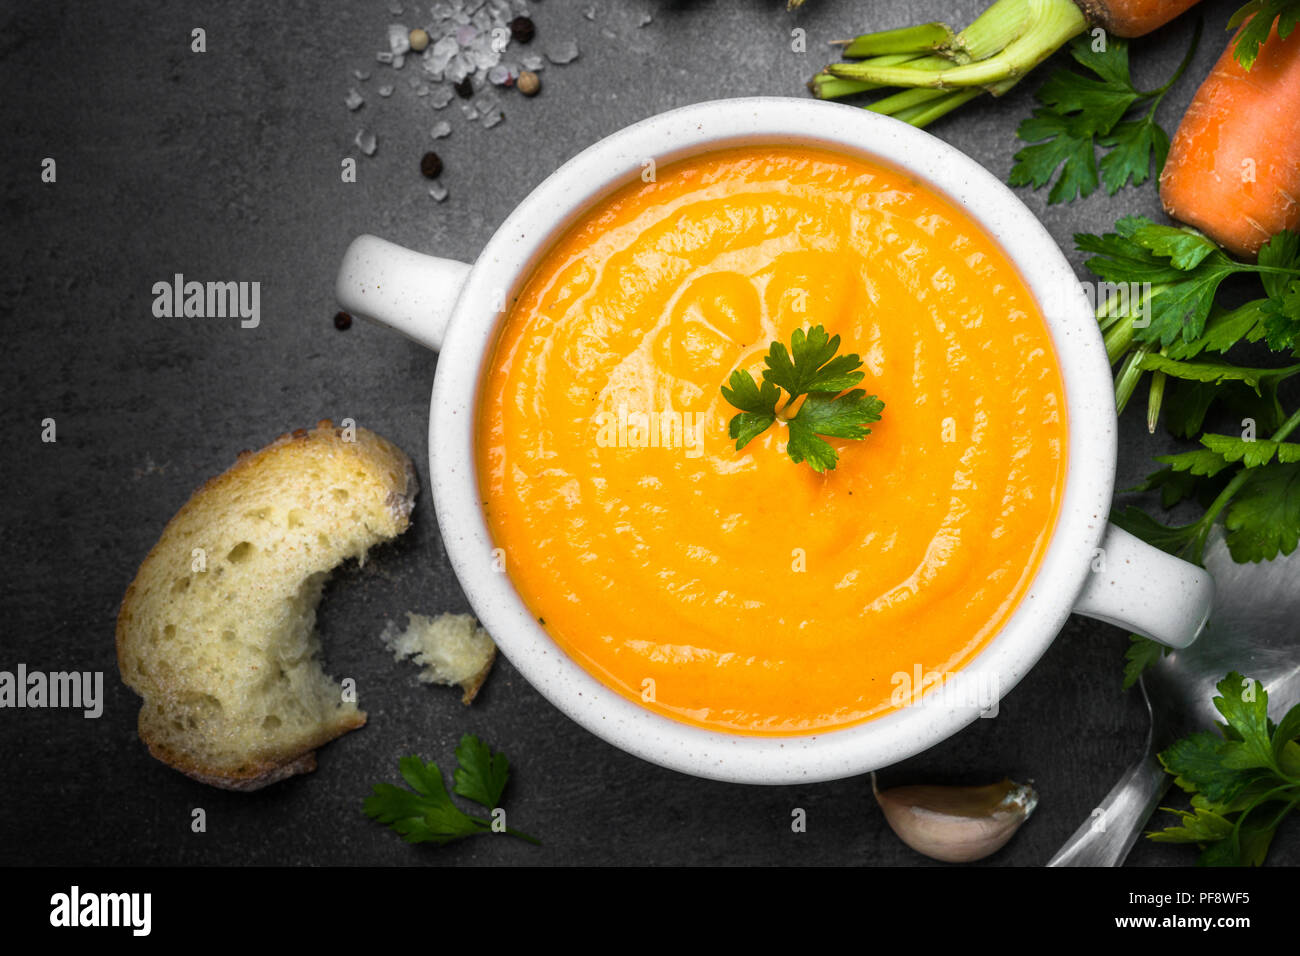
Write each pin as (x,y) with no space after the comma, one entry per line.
(737,590)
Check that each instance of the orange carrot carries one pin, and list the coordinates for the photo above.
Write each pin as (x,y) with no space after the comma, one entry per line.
(1234,165)
(1132,18)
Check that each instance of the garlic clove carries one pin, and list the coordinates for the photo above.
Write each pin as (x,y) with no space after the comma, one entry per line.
(956,824)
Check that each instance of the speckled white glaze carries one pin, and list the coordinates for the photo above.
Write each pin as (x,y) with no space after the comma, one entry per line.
(1134,586)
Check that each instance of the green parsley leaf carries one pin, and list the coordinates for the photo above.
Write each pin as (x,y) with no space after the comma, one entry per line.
(1223,330)
(1068,147)
(1135,147)
(1186,404)
(1265,12)
(813,368)
(426,813)
(1280,252)
(758,407)
(1236,778)
(823,414)
(1079,112)
(1184,249)
(1141,525)
(1279,263)
(1199,826)
(1141,252)
(1142,653)
(1174,486)
(1203,462)
(1287,730)
(482,775)
(1264,517)
(810,368)
(425,816)
(1196,761)
(1252,454)
(1214,372)
(1244,705)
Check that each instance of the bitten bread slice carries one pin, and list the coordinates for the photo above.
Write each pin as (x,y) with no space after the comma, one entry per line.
(450,649)
(217,631)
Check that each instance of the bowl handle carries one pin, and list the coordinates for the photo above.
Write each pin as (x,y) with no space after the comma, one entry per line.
(1140,587)
(409,291)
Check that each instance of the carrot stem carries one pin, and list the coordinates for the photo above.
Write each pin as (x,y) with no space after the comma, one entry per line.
(1155,397)
(892,105)
(824,86)
(924,114)
(925,36)
(1028,32)
(1129,376)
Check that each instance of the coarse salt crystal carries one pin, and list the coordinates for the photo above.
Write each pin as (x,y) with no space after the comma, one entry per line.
(399,38)
(563,51)
(443,51)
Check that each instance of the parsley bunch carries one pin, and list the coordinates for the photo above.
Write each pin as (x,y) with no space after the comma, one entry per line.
(1244,780)
(810,370)
(1171,330)
(428,815)
(1079,111)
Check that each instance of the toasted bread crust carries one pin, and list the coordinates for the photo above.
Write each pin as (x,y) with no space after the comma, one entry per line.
(472,686)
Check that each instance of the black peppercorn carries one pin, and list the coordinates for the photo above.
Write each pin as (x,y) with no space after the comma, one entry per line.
(431,165)
(522,30)
(342,321)
(464,89)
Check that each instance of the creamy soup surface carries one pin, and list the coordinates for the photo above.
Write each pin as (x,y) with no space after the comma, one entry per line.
(738,590)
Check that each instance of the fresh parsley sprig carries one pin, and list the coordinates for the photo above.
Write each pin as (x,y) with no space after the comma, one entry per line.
(1078,113)
(1168,332)
(1264,12)
(429,815)
(811,370)
(1184,270)
(1244,780)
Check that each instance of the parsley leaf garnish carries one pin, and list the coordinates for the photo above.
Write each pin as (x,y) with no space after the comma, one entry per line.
(1237,777)
(810,368)
(1080,112)
(429,815)
(1285,12)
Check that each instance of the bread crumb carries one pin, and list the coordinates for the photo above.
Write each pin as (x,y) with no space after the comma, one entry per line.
(450,649)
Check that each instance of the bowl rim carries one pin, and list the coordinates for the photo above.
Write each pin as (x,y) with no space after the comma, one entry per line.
(529,231)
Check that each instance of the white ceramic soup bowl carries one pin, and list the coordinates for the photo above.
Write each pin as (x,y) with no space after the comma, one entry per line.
(1090,567)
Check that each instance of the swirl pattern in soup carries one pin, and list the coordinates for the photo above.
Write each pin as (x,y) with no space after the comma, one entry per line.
(737,590)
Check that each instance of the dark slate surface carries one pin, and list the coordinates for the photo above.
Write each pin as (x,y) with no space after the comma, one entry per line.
(226,166)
